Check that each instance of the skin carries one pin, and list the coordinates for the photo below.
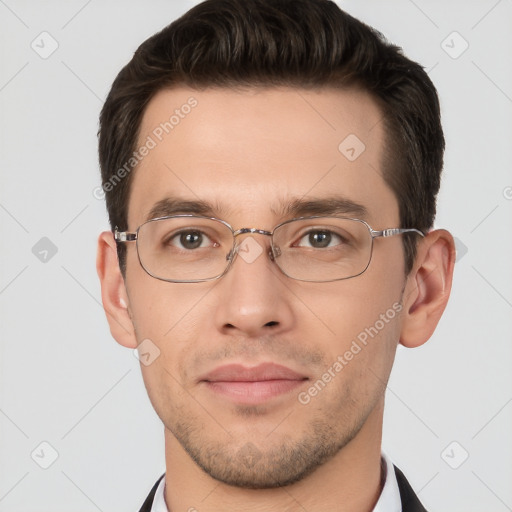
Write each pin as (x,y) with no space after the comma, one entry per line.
(248,151)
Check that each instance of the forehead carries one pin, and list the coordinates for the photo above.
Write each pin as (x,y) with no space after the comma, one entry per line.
(252,152)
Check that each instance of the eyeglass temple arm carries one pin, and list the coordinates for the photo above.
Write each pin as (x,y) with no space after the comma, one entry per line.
(124,236)
(394,231)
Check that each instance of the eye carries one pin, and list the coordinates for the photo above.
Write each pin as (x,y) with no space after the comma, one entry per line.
(320,239)
(189,240)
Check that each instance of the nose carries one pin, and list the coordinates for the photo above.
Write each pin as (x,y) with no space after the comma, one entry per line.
(253,298)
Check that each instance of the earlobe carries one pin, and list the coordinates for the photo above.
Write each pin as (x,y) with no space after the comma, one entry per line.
(428,287)
(113,292)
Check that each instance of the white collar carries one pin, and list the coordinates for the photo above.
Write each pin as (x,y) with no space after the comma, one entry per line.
(159,501)
(389,499)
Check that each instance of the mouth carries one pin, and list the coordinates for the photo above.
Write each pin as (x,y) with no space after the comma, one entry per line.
(252,385)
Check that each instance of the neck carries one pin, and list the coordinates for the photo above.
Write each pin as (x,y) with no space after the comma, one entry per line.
(349,481)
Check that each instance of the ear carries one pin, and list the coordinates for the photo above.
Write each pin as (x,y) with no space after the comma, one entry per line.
(427,287)
(113,291)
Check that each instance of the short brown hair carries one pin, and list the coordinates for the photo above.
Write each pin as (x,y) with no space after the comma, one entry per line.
(296,43)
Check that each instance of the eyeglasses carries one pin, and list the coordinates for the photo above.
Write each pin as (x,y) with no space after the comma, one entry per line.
(191,249)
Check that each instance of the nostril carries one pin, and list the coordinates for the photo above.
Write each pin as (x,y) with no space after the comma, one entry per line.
(271,324)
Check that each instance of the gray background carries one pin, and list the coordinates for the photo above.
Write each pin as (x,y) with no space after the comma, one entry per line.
(65,381)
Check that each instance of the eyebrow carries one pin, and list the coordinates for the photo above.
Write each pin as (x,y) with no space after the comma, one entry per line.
(332,205)
(175,206)
(296,207)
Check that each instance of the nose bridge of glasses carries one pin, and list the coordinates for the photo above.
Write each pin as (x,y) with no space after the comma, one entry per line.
(243,231)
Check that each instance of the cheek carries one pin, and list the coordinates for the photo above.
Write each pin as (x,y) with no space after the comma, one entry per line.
(171,318)
(171,328)
(161,310)
(346,309)
(358,362)
(360,321)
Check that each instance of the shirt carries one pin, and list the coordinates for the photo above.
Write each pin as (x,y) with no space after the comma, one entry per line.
(389,499)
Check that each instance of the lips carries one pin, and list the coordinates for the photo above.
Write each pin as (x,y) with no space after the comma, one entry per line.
(252,385)
(262,372)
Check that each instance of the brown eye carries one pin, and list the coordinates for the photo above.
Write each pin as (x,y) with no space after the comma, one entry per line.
(189,240)
(320,239)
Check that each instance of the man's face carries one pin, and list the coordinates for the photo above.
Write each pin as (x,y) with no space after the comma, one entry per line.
(250,154)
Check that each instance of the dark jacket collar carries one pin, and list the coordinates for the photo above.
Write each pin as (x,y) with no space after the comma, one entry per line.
(146,507)
(410,502)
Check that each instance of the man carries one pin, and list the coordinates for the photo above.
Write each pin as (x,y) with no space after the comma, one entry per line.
(271,170)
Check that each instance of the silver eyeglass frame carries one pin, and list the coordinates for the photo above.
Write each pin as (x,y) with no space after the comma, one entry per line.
(274,251)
